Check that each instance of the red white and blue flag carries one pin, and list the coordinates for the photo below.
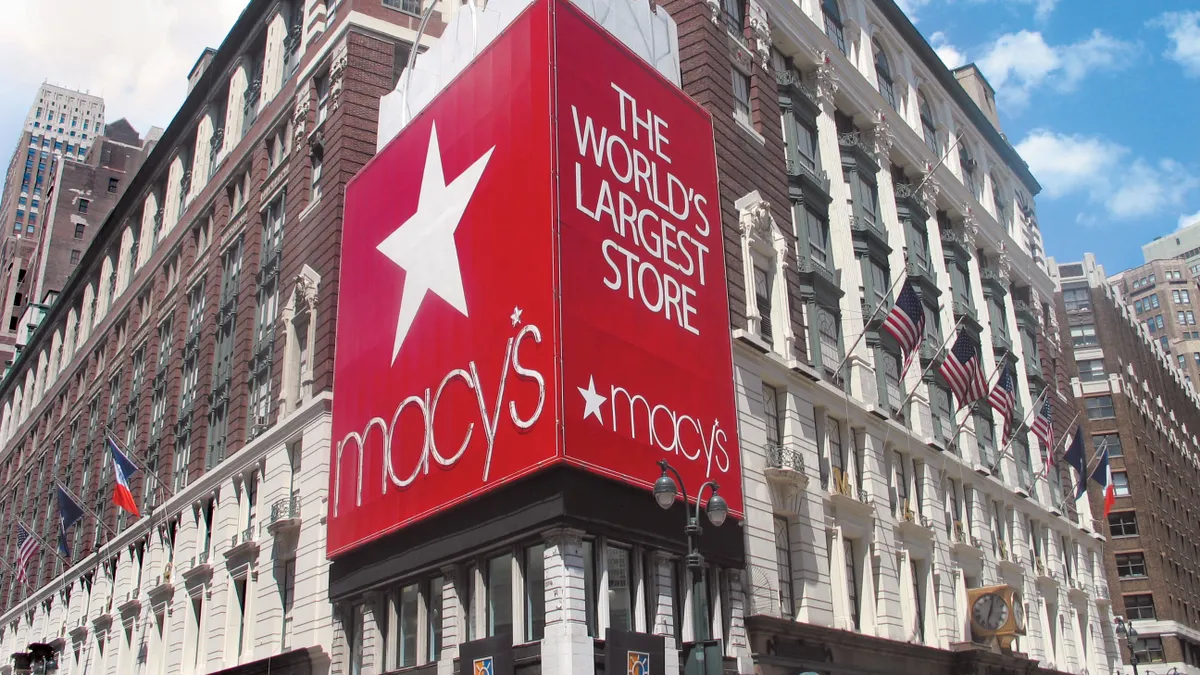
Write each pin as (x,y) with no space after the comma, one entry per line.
(1004,399)
(906,322)
(963,370)
(122,495)
(1043,422)
(27,545)
(1103,476)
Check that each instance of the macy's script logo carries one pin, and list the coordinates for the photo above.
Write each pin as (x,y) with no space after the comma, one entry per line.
(396,455)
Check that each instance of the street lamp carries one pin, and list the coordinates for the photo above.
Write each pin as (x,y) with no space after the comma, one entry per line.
(1126,630)
(666,489)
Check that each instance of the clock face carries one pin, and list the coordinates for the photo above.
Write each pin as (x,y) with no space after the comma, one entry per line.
(1018,611)
(990,612)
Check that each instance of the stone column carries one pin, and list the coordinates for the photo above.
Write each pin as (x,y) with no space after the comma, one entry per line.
(453,615)
(662,566)
(567,649)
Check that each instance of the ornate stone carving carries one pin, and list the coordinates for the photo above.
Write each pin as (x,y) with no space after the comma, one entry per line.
(715,8)
(300,119)
(929,195)
(755,220)
(305,294)
(1004,263)
(882,136)
(761,27)
(337,73)
(970,230)
(563,537)
(827,82)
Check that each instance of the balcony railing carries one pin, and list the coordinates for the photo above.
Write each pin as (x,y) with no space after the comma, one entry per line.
(780,456)
(285,508)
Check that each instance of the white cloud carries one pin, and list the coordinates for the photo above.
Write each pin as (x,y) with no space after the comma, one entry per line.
(1103,173)
(1188,219)
(135,53)
(1018,63)
(949,54)
(1183,31)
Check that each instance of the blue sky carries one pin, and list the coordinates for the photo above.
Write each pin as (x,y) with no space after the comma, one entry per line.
(1101,98)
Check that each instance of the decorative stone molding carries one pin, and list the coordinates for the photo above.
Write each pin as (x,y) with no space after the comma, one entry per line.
(761,27)
(929,196)
(1004,263)
(563,536)
(300,119)
(762,237)
(883,137)
(716,10)
(337,74)
(970,230)
(827,80)
(305,294)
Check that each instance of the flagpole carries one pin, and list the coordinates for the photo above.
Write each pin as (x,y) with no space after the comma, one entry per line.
(142,465)
(79,502)
(1024,421)
(868,322)
(16,574)
(941,160)
(945,344)
(988,390)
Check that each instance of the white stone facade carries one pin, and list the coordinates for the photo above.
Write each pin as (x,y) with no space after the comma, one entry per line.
(252,584)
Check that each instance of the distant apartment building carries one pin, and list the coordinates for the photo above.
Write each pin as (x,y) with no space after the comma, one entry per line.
(1184,244)
(1136,404)
(1162,295)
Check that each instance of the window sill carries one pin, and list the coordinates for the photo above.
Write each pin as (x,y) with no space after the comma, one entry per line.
(746,127)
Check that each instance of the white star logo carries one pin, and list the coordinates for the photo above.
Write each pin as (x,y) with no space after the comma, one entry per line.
(516,316)
(591,400)
(424,247)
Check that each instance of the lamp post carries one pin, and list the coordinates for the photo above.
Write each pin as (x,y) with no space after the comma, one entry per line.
(666,490)
(1126,630)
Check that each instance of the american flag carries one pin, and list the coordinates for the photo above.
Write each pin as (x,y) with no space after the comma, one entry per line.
(1004,400)
(963,371)
(1043,422)
(26,546)
(906,321)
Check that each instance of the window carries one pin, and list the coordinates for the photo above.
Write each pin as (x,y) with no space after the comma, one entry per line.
(1137,306)
(79,228)
(1123,524)
(1099,407)
(1153,300)
(1150,650)
(833,24)
(783,559)
(535,594)
(1084,336)
(499,595)
(75,253)
(883,74)
(1175,297)
(83,205)
(1191,318)
(851,582)
(1110,442)
(762,296)
(322,85)
(1180,318)
(1184,298)
(1121,483)
(735,18)
(918,601)
(771,410)
(318,167)
(741,96)
(354,637)
(968,170)
(928,126)
(407,609)
(434,617)
(1091,370)
(239,610)
(1131,565)
(1139,607)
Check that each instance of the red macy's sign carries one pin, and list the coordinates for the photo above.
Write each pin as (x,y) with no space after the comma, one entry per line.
(532,273)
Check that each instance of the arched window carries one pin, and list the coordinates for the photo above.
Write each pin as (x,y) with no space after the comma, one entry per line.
(833,24)
(928,126)
(968,170)
(1001,206)
(883,73)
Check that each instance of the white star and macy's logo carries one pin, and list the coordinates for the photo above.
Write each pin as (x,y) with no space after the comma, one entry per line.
(424,246)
